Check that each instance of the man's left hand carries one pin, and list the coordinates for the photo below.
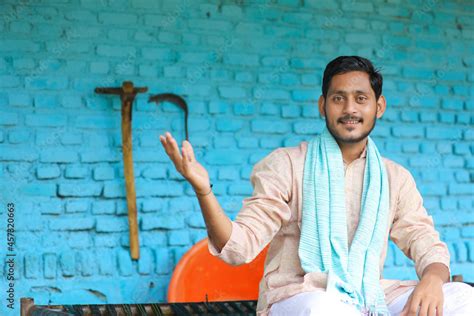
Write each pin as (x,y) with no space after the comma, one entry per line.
(427,296)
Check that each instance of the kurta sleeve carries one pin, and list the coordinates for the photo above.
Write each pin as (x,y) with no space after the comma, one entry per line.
(262,214)
(413,229)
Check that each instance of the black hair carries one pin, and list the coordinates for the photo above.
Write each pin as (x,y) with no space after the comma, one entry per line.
(343,64)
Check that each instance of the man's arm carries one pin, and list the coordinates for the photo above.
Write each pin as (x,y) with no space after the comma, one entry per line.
(262,214)
(414,233)
(413,229)
(218,224)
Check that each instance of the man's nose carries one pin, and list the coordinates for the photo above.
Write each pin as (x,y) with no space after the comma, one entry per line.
(350,106)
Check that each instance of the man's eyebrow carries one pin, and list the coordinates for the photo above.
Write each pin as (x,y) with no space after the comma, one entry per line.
(343,92)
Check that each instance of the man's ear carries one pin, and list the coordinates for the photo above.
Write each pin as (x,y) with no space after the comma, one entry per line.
(381,106)
(321,106)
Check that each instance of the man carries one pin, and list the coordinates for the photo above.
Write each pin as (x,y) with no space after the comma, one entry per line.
(327,208)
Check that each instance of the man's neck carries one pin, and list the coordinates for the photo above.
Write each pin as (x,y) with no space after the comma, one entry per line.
(352,151)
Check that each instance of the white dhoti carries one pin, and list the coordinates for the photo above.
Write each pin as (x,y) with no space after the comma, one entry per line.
(458,301)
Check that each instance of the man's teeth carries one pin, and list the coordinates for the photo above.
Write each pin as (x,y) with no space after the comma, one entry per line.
(350,122)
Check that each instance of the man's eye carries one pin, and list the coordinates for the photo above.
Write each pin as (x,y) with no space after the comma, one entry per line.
(337,98)
(361,99)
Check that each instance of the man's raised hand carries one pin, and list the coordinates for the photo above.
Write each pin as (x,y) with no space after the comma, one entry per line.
(186,163)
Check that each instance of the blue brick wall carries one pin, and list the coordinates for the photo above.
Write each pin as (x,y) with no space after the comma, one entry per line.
(251,72)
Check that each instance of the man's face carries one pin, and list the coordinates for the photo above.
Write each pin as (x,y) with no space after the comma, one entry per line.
(350,107)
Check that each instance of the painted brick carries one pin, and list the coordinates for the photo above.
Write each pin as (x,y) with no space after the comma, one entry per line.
(71,223)
(32,266)
(9,118)
(103,207)
(106,263)
(48,172)
(79,189)
(152,205)
(76,172)
(67,263)
(125,266)
(164,261)
(50,265)
(161,222)
(108,224)
(77,206)
(145,264)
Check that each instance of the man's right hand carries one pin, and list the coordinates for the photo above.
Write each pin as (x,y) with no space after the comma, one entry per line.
(186,163)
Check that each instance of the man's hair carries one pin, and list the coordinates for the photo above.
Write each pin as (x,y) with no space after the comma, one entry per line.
(343,64)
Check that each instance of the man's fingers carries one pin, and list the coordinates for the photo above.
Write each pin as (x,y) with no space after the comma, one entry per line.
(424,308)
(413,308)
(439,309)
(189,150)
(172,149)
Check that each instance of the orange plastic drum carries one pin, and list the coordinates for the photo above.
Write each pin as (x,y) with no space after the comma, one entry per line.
(198,274)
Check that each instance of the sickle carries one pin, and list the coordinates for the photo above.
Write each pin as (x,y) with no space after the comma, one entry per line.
(176,99)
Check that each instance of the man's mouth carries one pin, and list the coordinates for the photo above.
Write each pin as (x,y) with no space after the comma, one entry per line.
(350,122)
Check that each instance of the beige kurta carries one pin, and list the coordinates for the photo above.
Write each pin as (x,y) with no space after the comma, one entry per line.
(273,215)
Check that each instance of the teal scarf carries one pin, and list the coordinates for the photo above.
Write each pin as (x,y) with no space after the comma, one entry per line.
(353,274)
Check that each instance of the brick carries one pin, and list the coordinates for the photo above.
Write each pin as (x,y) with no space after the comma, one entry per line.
(236,59)
(240,189)
(461,251)
(179,238)
(86,264)
(67,263)
(39,189)
(79,189)
(46,83)
(408,131)
(461,189)
(154,173)
(290,111)
(100,156)
(77,206)
(224,157)
(76,172)
(437,133)
(53,207)
(152,205)
(109,224)
(209,25)
(468,232)
(163,259)
(45,120)
(306,128)
(105,262)
(161,222)
(270,94)
(113,189)
(58,156)
(8,118)
(269,126)
(103,207)
(117,18)
(154,238)
(181,205)
(50,266)
(19,46)
(48,172)
(20,100)
(196,221)
(32,266)
(244,109)
(45,101)
(145,264)
(163,54)
(71,138)
(72,223)
(104,173)
(124,262)
(18,137)
(232,92)
(7,81)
